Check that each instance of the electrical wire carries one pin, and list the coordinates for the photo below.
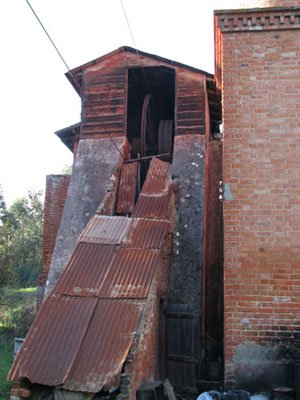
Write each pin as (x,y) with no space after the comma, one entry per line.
(49,37)
(134,44)
(72,75)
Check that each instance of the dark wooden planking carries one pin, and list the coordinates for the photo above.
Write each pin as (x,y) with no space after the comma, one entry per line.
(104,101)
(182,374)
(113,91)
(190,92)
(190,114)
(105,80)
(102,126)
(105,110)
(95,134)
(181,361)
(190,131)
(105,119)
(189,105)
(181,342)
(191,123)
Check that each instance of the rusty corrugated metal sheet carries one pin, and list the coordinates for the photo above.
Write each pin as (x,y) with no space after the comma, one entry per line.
(84,330)
(146,234)
(155,207)
(130,274)
(104,229)
(86,270)
(54,340)
(105,346)
(157,180)
(127,188)
(80,343)
(154,199)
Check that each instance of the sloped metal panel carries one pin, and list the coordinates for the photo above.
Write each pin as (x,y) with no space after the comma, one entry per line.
(53,340)
(154,199)
(86,269)
(146,234)
(157,180)
(130,274)
(153,207)
(104,229)
(105,346)
(127,188)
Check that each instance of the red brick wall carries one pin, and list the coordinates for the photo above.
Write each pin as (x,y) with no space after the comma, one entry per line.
(56,191)
(261,111)
(260,3)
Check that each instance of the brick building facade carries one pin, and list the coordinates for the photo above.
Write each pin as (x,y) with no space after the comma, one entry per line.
(257,64)
(55,196)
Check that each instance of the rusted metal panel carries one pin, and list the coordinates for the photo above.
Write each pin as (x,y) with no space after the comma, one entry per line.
(86,270)
(153,207)
(154,199)
(157,180)
(104,229)
(53,340)
(80,343)
(130,274)
(146,234)
(127,188)
(105,346)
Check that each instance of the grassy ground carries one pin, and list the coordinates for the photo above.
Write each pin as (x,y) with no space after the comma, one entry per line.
(17,308)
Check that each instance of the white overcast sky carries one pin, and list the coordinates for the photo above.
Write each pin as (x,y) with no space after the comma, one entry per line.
(37,99)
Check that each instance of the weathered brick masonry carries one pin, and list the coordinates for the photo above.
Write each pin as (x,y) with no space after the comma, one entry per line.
(56,191)
(260,3)
(258,54)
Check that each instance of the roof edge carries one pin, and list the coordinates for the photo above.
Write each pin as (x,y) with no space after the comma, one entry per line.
(256,10)
(76,81)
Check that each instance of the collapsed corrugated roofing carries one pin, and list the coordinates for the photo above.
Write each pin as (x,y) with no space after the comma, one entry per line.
(84,330)
(154,199)
(127,188)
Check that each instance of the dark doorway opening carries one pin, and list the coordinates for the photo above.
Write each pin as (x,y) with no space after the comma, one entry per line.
(151,99)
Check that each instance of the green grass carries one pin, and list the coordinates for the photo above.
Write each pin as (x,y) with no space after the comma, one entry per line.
(17,308)
(6,358)
(13,303)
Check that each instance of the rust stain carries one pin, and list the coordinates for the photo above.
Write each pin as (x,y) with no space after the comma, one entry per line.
(127,188)
(84,330)
(80,343)
(154,199)
(146,234)
(131,273)
(86,270)
(104,229)
(153,207)
(158,178)
(53,340)
(105,346)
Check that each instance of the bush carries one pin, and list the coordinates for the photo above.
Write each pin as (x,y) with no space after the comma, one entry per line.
(17,310)
(27,275)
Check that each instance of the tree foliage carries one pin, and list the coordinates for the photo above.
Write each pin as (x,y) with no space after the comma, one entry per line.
(20,240)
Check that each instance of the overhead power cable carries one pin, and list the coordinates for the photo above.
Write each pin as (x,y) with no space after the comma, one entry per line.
(70,72)
(134,44)
(49,37)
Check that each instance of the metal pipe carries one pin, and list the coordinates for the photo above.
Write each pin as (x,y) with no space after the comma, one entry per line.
(146,158)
